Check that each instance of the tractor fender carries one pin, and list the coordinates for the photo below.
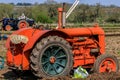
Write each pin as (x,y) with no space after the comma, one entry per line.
(15,32)
(32,34)
(44,33)
(33,40)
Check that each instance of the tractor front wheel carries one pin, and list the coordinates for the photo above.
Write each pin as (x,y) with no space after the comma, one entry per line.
(106,63)
(8,27)
(51,57)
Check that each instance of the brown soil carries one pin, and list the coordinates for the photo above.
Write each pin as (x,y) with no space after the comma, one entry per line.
(9,75)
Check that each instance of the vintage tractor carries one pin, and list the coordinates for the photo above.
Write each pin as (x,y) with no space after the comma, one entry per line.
(16,23)
(58,52)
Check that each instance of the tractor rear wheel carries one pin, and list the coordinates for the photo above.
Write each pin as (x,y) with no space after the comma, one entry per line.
(22,24)
(106,63)
(51,57)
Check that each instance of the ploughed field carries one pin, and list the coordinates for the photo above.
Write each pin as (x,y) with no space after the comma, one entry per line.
(112,46)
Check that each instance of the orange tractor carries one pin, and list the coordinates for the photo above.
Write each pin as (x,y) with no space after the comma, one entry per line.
(57,52)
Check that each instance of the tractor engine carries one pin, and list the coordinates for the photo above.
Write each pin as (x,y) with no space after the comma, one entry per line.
(85,50)
(87,44)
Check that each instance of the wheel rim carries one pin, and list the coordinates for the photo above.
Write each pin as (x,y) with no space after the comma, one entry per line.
(108,65)
(23,25)
(8,27)
(54,60)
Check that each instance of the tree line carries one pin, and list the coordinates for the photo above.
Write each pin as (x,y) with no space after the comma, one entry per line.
(47,13)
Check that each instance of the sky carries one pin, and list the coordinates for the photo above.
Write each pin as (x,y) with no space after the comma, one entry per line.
(91,2)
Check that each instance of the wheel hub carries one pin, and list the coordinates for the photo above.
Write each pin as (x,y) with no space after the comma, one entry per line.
(108,69)
(52,59)
(22,25)
(108,65)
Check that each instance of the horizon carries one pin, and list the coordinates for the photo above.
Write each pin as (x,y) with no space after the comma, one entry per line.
(89,2)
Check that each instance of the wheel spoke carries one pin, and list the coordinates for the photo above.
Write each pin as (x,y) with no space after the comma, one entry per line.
(61,57)
(44,55)
(56,51)
(48,68)
(102,68)
(60,65)
(47,54)
(45,66)
(44,63)
(51,50)
(54,69)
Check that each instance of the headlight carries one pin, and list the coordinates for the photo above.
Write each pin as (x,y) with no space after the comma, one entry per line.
(16,39)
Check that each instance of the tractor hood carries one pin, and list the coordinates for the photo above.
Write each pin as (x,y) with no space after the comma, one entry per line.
(75,32)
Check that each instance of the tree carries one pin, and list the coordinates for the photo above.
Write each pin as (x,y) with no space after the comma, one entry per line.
(81,14)
(42,18)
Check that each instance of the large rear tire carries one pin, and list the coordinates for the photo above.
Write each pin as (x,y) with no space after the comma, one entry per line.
(106,63)
(51,57)
(22,24)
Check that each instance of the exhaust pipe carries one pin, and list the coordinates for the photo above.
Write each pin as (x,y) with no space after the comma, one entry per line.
(72,8)
(62,15)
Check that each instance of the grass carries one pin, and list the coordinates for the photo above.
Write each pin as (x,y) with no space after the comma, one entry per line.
(119,52)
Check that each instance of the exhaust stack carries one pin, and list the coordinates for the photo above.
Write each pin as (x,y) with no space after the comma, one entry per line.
(62,15)
(72,8)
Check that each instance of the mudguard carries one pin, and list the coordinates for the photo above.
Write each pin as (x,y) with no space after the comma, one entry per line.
(30,33)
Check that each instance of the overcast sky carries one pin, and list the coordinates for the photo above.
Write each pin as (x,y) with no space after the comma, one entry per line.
(103,2)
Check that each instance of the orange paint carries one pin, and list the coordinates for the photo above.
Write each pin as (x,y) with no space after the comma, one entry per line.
(60,11)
